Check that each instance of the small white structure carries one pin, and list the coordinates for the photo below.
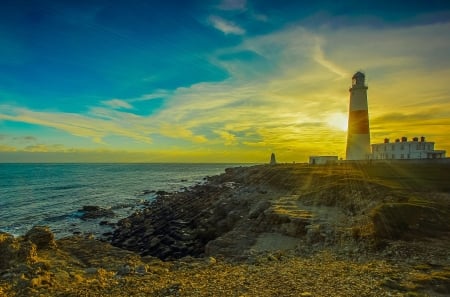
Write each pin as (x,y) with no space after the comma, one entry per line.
(404,149)
(322,160)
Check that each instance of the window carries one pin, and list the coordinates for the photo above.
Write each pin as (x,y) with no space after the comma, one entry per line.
(402,147)
(393,147)
(402,156)
(393,156)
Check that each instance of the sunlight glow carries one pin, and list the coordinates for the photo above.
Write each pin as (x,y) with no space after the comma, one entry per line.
(338,121)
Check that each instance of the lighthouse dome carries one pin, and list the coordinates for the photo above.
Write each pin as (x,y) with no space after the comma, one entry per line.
(358,79)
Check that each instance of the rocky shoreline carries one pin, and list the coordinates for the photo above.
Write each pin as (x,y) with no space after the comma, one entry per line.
(354,228)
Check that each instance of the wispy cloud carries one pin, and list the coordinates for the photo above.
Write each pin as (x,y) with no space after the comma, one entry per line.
(90,125)
(228,138)
(117,104)
(288,100)
(319,57)
(227,27)
(233,5)
(180,132)
(45,148)
(7,148)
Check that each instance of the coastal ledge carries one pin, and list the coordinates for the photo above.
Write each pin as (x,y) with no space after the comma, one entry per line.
(346,206)
(286,230)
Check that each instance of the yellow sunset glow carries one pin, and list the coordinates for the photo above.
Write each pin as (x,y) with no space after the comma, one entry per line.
(338,121)
(284,91)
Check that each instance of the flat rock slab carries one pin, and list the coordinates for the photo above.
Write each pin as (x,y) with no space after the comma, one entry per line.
(275,242)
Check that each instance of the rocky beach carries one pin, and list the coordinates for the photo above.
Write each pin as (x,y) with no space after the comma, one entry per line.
(349,229)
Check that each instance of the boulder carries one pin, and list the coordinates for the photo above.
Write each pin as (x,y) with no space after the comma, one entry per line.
(94,212)
(410,220)
(41,236)
(8,249)
(14,251)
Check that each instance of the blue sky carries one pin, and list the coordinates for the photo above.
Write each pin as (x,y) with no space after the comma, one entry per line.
(229,80)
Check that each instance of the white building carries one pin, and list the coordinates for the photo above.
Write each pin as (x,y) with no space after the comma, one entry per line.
(404,149)
(321,160)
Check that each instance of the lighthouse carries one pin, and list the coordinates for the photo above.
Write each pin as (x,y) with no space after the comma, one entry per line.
(358,134)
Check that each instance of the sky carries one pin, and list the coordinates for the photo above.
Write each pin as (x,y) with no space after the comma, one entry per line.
(216,81)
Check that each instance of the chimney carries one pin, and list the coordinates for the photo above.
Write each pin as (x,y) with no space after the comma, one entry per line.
(415,139)
(404,139)
(386,140)
(422,139)
(397,140)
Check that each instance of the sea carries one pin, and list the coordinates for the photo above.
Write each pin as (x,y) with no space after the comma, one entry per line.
(54,194)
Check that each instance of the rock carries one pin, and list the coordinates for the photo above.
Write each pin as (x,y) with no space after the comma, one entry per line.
(392,284)
(211,260)
(94,212)
(15,252)
(258,209)
(410,220)
(7,249)
(141,269)
(314,234)
(125,270)
(42,237)
(90,270)
(27,252)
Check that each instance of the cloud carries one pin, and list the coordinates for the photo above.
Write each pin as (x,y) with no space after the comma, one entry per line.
(45,148)
(233,5)
(319,57)
(292,106)
(30,138)
(151,96)
(181,132)
(227,27)
(25,139)
(287,99)
(7,148)
(95,126)
(227,137)
(117,104)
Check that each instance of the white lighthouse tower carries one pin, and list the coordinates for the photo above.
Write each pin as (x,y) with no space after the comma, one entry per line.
(358,135)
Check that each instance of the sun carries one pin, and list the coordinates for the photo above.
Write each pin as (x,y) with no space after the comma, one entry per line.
(338,121)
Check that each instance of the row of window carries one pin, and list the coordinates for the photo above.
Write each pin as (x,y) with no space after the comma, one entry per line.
(420,146)
(392,156)
(383,156)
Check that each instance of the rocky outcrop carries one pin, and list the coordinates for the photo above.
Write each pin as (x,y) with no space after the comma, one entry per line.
(14,251)
(321,206)
(41,236)
(411,219)
(182,224)
(95,212)
(179,224)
